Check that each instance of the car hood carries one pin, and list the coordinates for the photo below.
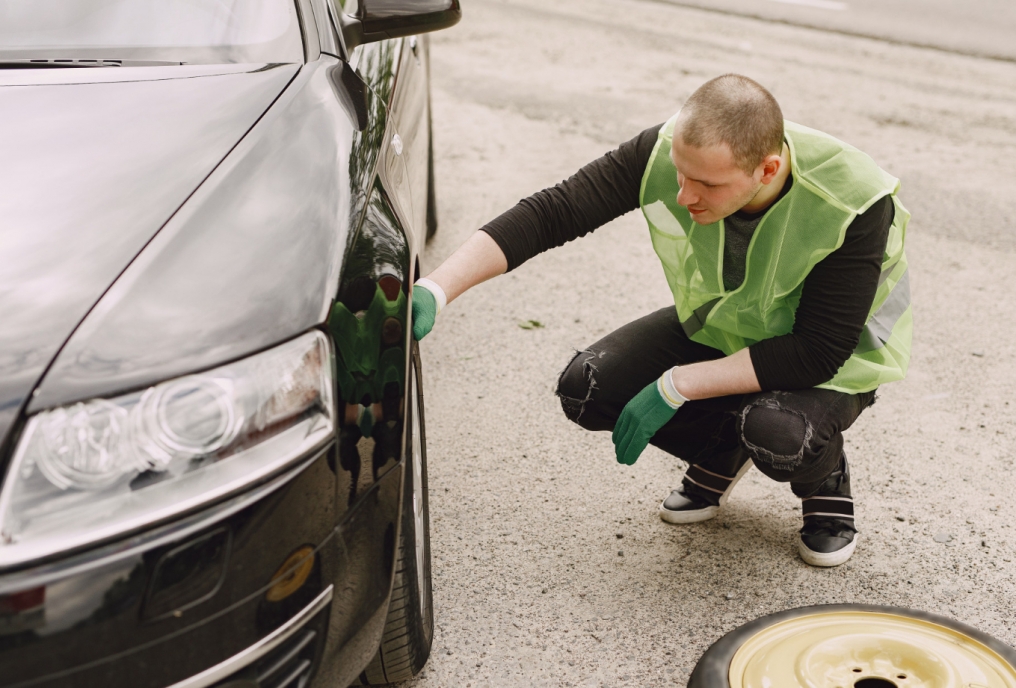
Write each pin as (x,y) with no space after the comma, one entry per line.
(95,161)
(251,259)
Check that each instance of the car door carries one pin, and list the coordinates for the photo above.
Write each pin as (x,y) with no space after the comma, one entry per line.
(410,112)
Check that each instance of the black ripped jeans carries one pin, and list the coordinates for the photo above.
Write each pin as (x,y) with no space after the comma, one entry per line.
(794,436)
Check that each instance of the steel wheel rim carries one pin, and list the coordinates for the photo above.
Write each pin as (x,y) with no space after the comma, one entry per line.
(866,649)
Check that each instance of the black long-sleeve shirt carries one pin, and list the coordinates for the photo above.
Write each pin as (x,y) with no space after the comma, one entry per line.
(837,293)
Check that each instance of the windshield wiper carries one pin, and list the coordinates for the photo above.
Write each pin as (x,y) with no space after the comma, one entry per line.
(39,63)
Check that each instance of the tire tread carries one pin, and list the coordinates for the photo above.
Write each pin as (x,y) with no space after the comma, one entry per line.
(406,639)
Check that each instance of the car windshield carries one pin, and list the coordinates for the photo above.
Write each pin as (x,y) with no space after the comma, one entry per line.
(175,31)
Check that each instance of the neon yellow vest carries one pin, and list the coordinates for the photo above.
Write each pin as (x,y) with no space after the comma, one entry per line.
(833,183)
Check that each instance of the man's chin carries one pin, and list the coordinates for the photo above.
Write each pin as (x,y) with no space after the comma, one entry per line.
(703,218)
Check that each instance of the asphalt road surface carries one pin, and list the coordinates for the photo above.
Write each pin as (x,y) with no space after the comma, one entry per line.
(980,27)
(551,565)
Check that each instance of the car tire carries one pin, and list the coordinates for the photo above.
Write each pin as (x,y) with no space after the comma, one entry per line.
(409,626)
(836,626)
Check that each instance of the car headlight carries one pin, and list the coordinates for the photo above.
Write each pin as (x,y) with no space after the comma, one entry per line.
(96,469)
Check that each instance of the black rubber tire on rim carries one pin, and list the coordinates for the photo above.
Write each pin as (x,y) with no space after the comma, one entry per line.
(712,669)
(409,627)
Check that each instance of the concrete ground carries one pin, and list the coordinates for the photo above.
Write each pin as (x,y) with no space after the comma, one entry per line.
(551,566)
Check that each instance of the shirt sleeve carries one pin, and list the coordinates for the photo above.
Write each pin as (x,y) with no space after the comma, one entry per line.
(833,310)
(599,192)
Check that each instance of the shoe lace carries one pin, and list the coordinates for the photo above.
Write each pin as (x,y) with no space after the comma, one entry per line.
(838,477)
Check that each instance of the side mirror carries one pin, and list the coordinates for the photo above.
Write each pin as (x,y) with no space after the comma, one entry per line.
(377,20)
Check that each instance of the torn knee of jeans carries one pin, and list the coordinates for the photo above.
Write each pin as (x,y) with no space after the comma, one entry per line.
(774,435)
(576,383)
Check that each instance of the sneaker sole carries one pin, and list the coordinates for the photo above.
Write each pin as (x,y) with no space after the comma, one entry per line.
(826,559)
(699,515)
(689,516)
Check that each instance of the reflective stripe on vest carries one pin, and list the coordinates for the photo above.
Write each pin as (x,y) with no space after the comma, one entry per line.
(833,184)
(880,326)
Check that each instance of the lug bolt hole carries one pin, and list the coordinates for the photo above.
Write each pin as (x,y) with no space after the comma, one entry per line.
(874,682)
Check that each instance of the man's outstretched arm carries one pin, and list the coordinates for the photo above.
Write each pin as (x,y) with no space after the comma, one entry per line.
(606,188)
(476,261)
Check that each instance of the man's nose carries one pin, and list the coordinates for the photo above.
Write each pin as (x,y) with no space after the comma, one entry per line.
(685,197)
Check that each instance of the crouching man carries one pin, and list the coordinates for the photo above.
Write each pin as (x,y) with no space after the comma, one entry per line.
(783,248)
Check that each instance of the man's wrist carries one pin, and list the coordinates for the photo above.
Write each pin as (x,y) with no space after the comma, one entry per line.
(667,389)
(434,288)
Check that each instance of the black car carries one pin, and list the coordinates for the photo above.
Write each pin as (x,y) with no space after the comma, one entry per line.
(211,411)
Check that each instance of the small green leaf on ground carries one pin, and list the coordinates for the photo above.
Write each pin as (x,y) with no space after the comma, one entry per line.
(531,325)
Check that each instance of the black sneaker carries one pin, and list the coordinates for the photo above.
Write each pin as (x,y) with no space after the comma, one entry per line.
(829,537)
(827,541)
(700,496)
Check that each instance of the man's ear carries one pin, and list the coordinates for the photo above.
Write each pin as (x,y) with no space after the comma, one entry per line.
(771,166)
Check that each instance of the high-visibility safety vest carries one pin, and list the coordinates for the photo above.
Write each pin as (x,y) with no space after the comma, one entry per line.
(833,183)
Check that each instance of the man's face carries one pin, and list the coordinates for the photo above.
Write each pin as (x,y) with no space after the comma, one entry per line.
(712,186)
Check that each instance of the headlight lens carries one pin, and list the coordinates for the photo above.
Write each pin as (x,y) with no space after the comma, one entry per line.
(92,470)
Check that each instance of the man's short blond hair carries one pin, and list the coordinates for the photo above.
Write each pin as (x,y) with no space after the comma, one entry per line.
(737,111)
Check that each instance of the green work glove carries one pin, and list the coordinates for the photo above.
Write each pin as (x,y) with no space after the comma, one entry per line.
(643,416)
(428,300)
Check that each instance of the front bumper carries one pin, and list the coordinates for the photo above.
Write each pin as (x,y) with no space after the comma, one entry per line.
(285,658)
(185,604)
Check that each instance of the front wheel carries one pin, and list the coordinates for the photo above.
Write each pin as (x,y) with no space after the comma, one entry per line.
(409,627)
(856,646)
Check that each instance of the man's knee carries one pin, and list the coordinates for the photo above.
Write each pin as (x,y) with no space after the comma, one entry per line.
(780,440)
(576,384)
